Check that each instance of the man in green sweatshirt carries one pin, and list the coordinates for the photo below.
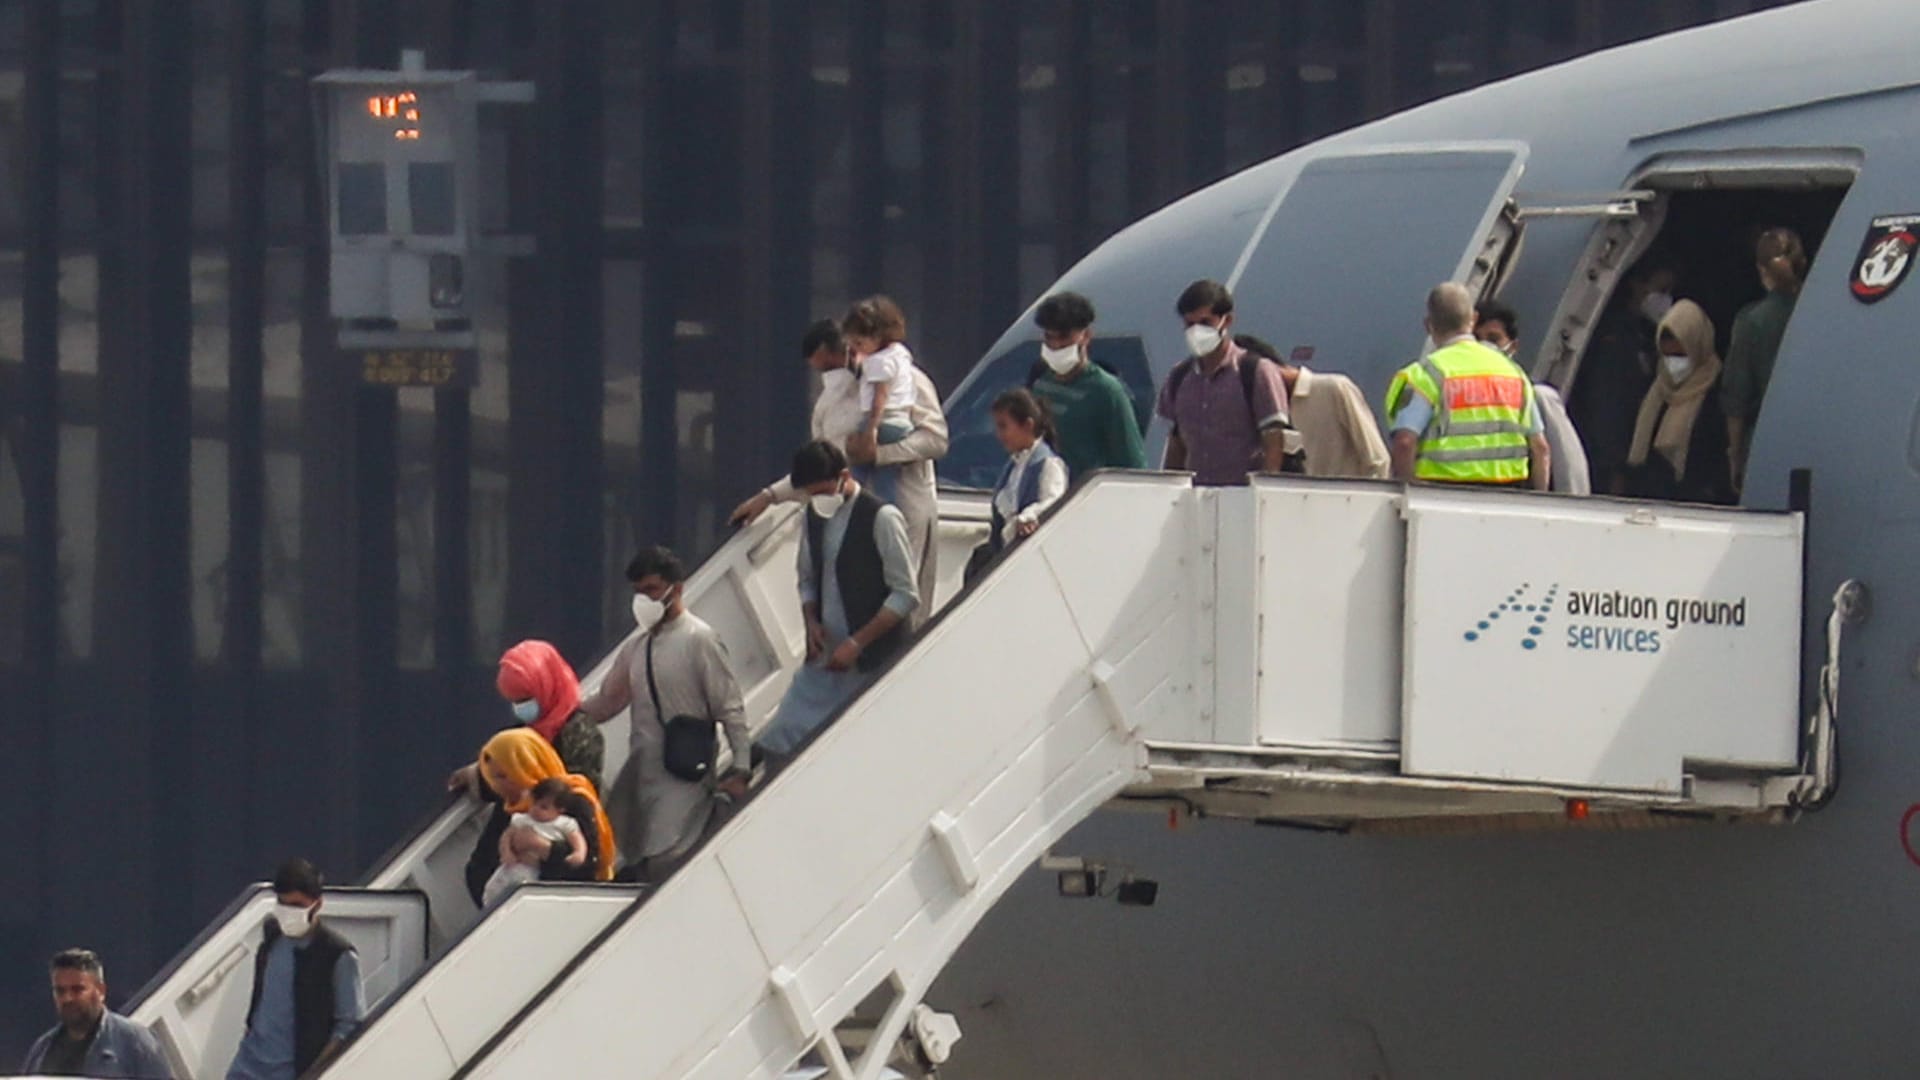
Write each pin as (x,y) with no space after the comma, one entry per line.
(1093,415)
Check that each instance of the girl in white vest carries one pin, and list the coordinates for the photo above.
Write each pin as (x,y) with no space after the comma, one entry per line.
(1034,478)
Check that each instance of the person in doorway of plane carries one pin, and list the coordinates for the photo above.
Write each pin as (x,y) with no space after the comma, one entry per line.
(1499,327)
(1679,445)
(837,418)
(1618,367)
(1464,413)
(1781,260)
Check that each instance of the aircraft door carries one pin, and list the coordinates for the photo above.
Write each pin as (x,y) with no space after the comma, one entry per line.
(1339,276)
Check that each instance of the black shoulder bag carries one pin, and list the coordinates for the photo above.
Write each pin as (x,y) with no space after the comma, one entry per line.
(690,745)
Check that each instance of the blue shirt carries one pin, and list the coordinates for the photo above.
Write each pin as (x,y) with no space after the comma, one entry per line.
(266,1050)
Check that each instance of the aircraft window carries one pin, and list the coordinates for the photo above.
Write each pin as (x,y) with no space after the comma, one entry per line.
(430,198)
(974,457)
(362,198)
(1707,238)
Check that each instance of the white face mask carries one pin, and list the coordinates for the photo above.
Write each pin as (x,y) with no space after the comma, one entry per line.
(647,611)
(1656,306)
(295,921)
(1061,360)
(837,381)
(1678,367)
(828,504)
(1203,339)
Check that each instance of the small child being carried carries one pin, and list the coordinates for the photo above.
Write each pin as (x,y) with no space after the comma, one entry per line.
(529,838)
(876,329)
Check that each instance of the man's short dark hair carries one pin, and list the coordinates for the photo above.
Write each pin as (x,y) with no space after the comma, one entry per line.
(78,960)
(1064,313)
(1258,346)
(824,334)
(552,789)
(657,560)
(1206,294)
(298,876)
(815,462)
(1496,311)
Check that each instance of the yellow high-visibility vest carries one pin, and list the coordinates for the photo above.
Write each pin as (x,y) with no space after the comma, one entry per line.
(1482,413)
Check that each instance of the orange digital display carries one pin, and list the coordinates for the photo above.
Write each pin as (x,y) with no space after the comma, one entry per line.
(403,109)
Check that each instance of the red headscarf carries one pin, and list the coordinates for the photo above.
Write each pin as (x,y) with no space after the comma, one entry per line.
(535,670)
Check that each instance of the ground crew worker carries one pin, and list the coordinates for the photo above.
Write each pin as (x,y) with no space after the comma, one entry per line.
(1465,413)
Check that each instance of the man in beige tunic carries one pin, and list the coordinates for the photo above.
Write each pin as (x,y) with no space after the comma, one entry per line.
(657,817)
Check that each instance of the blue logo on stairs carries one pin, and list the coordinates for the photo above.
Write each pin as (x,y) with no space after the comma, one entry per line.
(1522,613)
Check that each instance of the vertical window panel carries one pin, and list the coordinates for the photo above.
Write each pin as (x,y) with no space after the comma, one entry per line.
(360,197)
(431,199)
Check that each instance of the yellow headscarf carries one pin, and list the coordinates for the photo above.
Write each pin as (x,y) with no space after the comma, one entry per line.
(526,759)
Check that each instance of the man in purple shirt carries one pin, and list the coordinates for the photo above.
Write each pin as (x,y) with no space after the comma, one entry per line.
(1228,407)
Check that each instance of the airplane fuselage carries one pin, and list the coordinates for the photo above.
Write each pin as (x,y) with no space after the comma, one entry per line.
(1693,950)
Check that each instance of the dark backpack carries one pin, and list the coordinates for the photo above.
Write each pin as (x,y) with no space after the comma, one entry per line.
(1249,369)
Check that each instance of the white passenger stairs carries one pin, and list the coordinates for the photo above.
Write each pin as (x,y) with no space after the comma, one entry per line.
(1346,655)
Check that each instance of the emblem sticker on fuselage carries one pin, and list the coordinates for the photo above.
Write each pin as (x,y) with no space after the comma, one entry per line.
(1885,257)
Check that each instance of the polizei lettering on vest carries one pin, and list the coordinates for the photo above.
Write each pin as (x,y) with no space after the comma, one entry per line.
(1612,605)
(1485,391)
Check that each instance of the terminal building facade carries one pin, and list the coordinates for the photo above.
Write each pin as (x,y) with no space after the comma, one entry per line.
(250,605)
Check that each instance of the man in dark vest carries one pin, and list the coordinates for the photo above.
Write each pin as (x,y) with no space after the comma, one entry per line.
(306,985)
(857,590)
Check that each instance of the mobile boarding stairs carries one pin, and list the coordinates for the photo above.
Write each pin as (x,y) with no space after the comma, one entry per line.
(1336,654)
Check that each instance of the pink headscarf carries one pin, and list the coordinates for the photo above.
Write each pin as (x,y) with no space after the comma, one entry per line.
(535,670)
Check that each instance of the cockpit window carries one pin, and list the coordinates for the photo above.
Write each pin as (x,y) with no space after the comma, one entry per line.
(974,457)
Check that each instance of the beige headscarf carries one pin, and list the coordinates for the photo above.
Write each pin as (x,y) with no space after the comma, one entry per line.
(1668,412)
